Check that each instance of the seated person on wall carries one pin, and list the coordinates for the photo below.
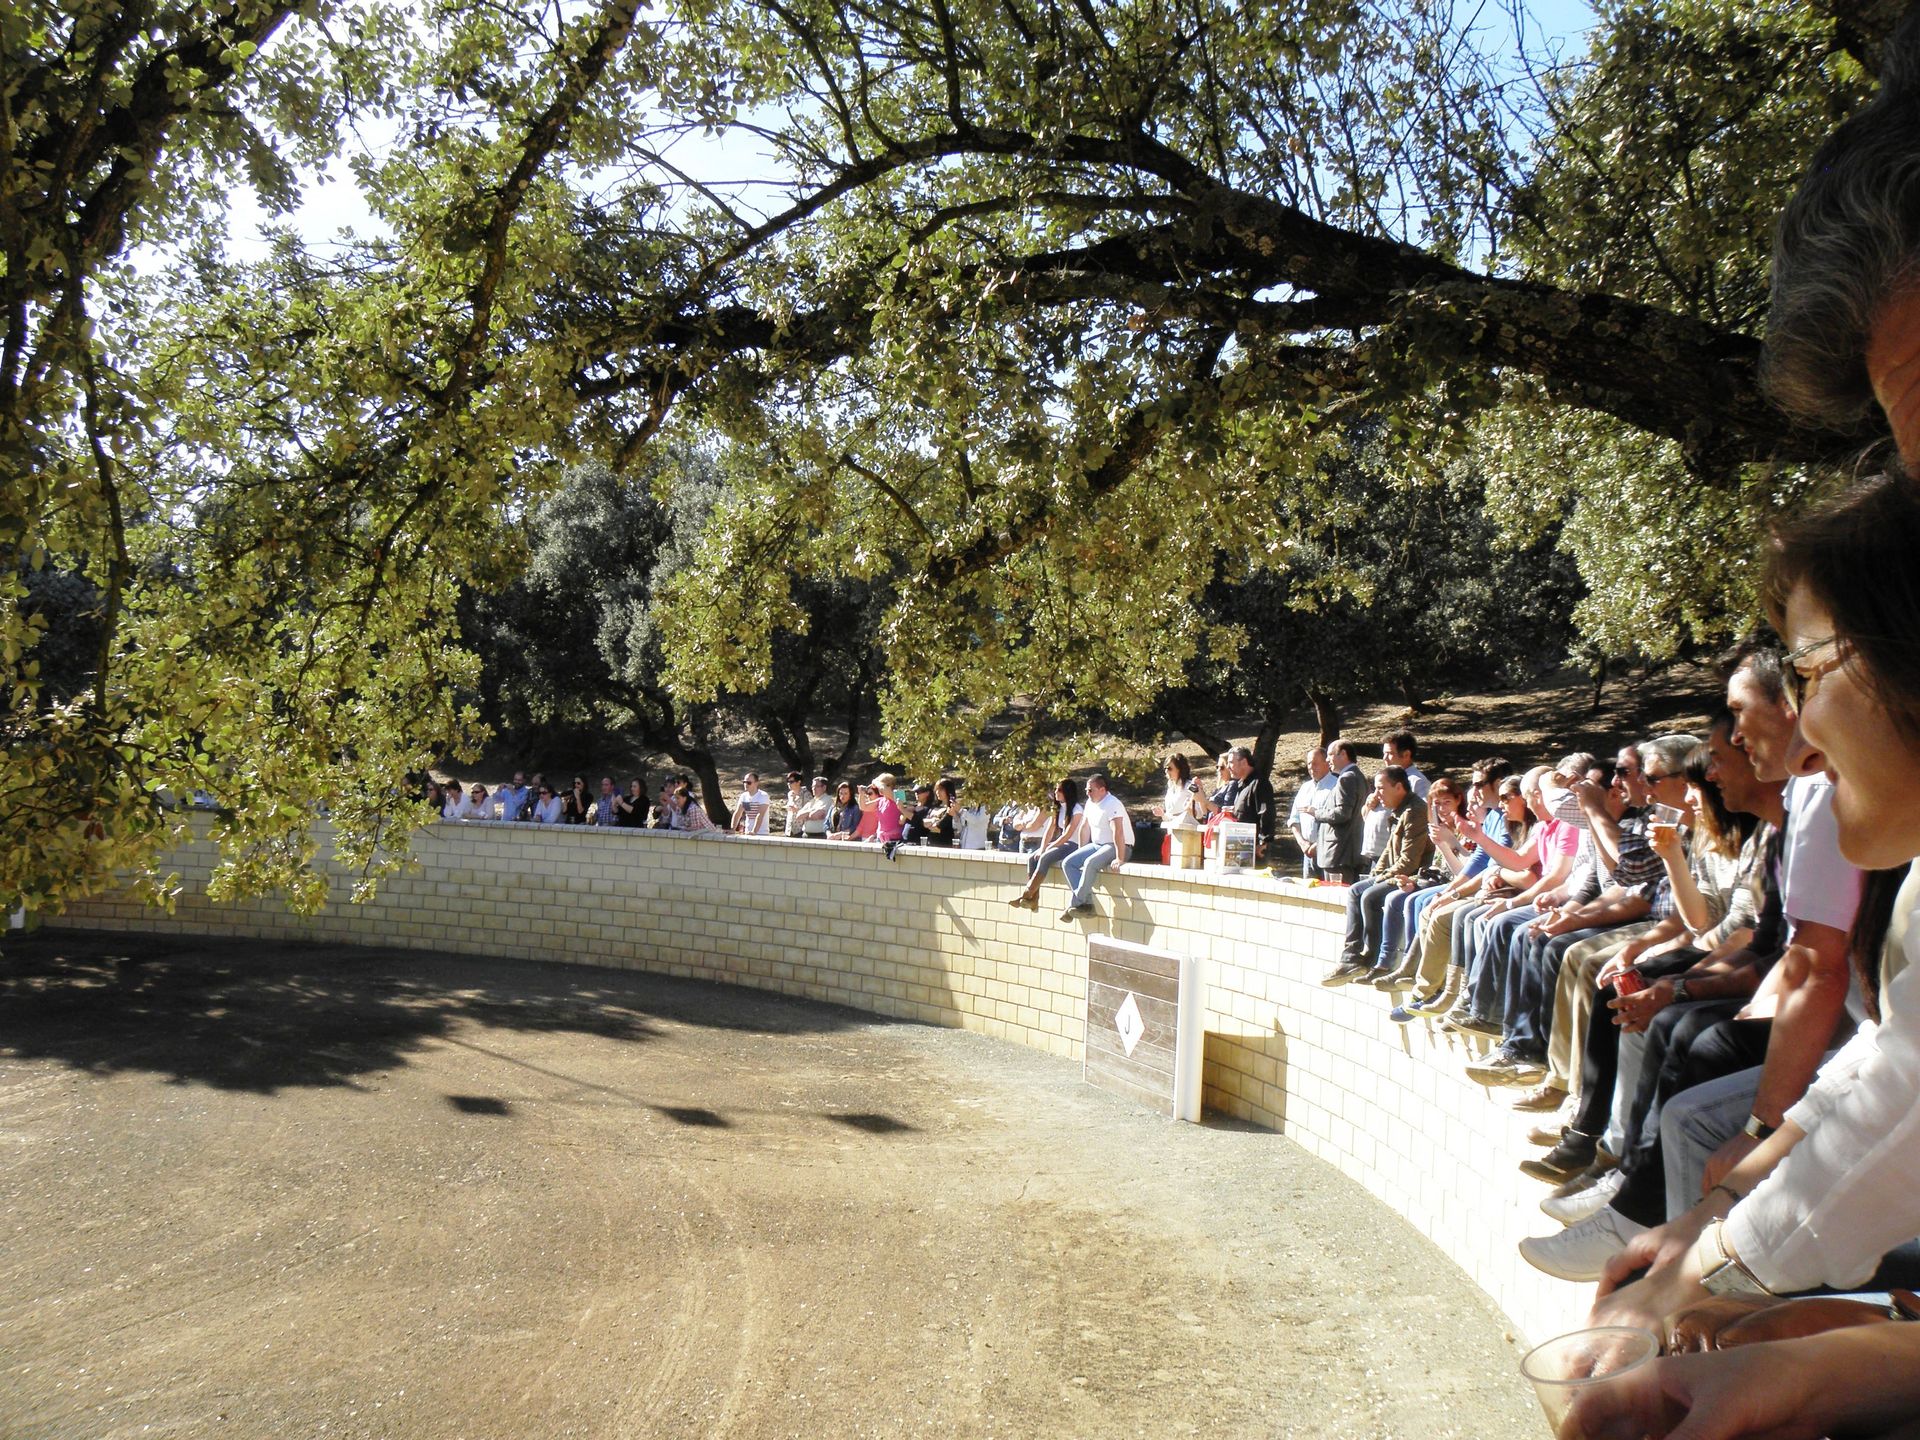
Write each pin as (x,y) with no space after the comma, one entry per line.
(1522,980)
(1825,1196)
(1300,821)
(1428,927)
(1109,833)
(1714,1022)
(1064,832)
(1714,899)
(1408,846)
(1339,817)
(1487,966)
(1704,896)
(1405,903)
(1547,857)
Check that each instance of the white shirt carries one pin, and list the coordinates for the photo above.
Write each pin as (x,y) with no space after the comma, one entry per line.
(973,828)
(1104,817)
(1178,806)
(1374,831)
(1417,778)
(796,802)
(1817,885)
(466,808)
(754,806)
(547,811)
(1850,1191)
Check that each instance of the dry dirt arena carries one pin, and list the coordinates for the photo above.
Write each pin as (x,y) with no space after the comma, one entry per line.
(305,1191)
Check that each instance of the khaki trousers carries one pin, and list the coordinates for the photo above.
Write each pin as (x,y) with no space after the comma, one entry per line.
(1574,999)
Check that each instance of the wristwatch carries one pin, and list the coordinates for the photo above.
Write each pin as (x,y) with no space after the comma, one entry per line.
(1758,1128)
(1680,990)
(1720,1271)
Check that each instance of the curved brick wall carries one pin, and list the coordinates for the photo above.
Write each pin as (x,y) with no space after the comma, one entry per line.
(929,937)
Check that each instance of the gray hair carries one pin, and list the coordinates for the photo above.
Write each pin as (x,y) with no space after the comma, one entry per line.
(1576,765)
(1848,240)
(1670,750)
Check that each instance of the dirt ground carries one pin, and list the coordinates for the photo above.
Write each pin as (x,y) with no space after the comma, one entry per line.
(304,1191)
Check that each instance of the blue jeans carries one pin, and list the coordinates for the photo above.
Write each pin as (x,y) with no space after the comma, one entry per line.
(1083,867)
(1039,862)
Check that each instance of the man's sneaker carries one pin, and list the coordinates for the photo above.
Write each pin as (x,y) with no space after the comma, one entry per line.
(1593,1195)
(1567,1159)
(1345,972)
(1544,1098)
(1067,915)
(1547,1135)
(1479,1025)
(1581,1252)
(1391,979)
(1502,1067)
(1403,1015)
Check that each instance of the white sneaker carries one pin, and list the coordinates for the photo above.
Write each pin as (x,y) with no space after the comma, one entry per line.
(1572,1209)
(1582,1251)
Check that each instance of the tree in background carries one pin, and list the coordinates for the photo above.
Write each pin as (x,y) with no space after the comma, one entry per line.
(1035,297)
(575,644)
(1388,588)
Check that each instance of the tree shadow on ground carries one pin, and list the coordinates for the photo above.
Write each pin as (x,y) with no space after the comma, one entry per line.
(265,1016)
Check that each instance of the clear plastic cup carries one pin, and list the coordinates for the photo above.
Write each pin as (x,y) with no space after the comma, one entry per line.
(1596,1382)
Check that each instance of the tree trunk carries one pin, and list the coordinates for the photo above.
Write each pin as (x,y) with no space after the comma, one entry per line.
(708,774)
(1264,743)
(789,737)
(1326,714)
(858,696)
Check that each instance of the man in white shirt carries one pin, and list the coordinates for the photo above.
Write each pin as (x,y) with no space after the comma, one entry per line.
(750,811)
(1109,837)
(1300,819)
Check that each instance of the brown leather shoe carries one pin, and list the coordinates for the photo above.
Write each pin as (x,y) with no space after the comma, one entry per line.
(1543,1097)
(1546,1134)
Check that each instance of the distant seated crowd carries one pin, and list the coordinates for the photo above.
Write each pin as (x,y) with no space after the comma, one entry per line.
(881,811)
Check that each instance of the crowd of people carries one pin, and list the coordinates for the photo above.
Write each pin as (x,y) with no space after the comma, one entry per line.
(882,811)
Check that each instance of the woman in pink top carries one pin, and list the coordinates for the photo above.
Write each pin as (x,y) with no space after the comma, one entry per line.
(887,823)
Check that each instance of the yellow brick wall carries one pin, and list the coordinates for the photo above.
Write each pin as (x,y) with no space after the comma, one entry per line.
(930,938)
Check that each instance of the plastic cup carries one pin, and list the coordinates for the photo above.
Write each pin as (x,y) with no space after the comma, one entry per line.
(1589,1382)
(1664,815)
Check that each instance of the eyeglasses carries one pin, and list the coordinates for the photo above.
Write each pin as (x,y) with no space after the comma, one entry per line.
(1800,684)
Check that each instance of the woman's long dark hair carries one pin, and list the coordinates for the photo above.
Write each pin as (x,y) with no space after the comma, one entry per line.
(1181,766)
(1069,792)
(1724,831)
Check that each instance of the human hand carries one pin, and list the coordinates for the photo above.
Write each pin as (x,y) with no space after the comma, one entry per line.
(1665,842)
(1748,1392)
(1590,795)
(1408,884)
(1721,1163)
(1666,1253)
(1634,1013)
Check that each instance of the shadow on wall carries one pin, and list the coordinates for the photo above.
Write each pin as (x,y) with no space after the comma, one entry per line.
(1246,1075)
(243,1015)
